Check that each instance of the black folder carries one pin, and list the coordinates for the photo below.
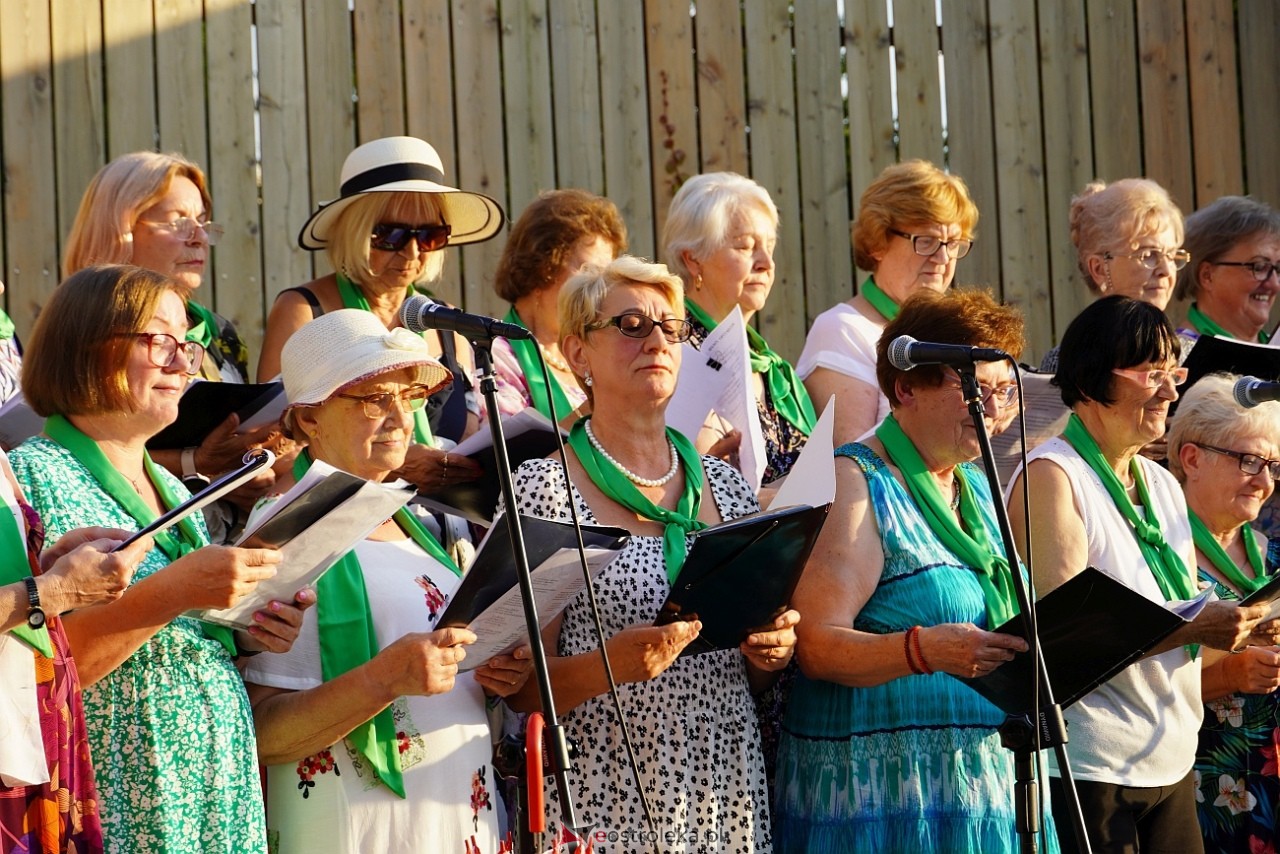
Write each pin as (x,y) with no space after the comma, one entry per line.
(1211,354)
(206,404)
(1091,628)
(476,500)
(740,575)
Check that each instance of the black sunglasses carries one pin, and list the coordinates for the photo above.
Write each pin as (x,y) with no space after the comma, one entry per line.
(633,324)
(394,236)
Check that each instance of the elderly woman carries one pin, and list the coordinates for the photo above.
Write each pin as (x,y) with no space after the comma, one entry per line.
(880,751)
(169,722)
(1235,244)
(371,744)
(719,238)
(621,330)
(1227,459)
(1096,502)
(1128,239)
(559,234)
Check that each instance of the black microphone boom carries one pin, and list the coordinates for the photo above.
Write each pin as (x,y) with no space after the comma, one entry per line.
(906,353)
(419,313)
(1251,391)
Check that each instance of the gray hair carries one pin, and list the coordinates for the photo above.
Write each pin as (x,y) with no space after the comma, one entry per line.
(698,219)
(1208,413)
(1215,229)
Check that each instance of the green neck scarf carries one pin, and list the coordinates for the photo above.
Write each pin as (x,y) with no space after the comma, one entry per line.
(969,543)
(786,392)
(526,352)
(879,300)
(352,297)
(1202,324)
(6,326)
(348,639)
(174,545)
(1212,549)
(16,564)
(205,324)
(678,522)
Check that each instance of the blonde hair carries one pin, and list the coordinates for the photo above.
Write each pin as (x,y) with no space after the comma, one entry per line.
(582,296)
(103,230)
(1208,413)
(1109,217)
(910,193)
(347,245)
(699,216)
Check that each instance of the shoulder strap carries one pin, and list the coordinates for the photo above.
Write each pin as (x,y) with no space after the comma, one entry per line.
(309,296)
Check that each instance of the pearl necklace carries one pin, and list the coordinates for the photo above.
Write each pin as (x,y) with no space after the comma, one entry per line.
(557,362)
(630,475)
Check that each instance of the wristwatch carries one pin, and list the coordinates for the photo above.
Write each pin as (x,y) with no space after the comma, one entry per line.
(35,616)
(192,479)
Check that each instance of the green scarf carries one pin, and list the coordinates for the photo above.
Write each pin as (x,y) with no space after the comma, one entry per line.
(15,565)
(6,326)
(1221,561)
(353,298)
(1205,326)
(970,543)
(786,392)
(879,300)
(613,483)
(348,639)
(526,352)
(202,330)
(187,538)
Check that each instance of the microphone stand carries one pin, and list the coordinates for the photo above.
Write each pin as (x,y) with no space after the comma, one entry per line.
(1017,733)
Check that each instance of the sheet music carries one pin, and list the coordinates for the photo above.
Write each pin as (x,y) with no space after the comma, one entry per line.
(812,479)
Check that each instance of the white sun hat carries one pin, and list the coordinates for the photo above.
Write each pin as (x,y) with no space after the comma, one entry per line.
(404,164)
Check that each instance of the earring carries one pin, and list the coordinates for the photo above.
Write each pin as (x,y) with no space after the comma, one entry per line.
(697,285)
(588,381)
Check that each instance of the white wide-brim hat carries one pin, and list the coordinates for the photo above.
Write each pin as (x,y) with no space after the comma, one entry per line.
(404,164)
(339,349)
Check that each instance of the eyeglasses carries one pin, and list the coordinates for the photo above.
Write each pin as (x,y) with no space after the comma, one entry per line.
(1004,395)
(1261,270)
(1250,464)
(184,228)
(927,244)
(394,236)
(1151,258)
(633,324)
(1154,378)
(163,348)
(378,405)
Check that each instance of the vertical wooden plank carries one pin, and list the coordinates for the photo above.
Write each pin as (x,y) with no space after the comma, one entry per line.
(824,173)
(772,118)
(131,74)
(971,132)
(527,87)
(1166,115)
(236,287)
(871,142)
(722,108)
(480,166)
(286,168)
(915,41)
(575,72)
(1216,144)
(669,48)
(1260,69)
(79,115)
(379,70)
(179,27)
(31,253)
(1113,87)
(1020,161)
(1064,82)
(624,103)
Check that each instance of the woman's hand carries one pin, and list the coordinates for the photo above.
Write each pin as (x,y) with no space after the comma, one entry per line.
(72,540)
(1256,670)
(639,653)
(90,572)
(224,448)
(423,663)
(218,577)
(503,675)
(770,648)
(964,650)
(276,626)
(1223,625)
(1266,633)
(432,470)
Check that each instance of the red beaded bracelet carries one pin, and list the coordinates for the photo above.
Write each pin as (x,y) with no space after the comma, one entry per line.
(915,640)
(906,648)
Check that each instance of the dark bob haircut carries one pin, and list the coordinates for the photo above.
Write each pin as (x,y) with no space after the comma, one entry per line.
(1113,332)
(957,316)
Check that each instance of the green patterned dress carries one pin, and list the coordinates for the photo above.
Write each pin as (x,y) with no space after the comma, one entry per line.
(170,729)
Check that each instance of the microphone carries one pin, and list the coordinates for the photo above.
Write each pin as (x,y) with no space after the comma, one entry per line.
(419,313)
(906,353)
(1250,391)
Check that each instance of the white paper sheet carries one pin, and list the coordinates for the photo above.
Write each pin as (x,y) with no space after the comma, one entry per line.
(812,480)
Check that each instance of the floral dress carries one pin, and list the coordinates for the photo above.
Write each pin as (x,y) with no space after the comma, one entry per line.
(170,729)
(693,726)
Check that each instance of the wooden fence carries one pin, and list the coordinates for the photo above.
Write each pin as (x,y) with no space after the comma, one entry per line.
(1026,100)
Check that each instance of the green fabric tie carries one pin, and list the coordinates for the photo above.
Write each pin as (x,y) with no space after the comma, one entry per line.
(353,298)
(679,522)
(786,392)
(6,326)
(879,300)
(1202,324)
(526,352)
(187,538)
(970,543)
(1222,562)
(348,639)
(15,565)
(206,325)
